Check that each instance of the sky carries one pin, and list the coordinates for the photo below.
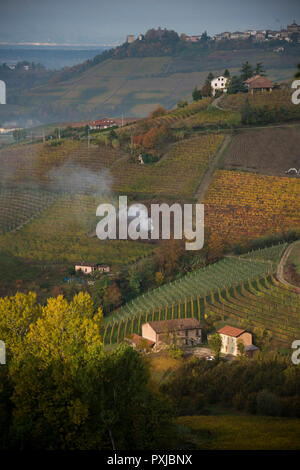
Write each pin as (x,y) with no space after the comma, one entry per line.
(109,21)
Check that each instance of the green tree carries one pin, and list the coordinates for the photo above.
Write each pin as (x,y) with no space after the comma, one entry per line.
(241,348)
(196,94)
(246,71)
(226,73)
(297,74)
(209,78)
(259,69)
(236,85)
(215,343)
(182,104)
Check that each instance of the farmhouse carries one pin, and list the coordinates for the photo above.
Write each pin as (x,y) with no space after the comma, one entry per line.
(218,83)
(231,337)
(258,84)
(88,268)
(185,331)
(102,124)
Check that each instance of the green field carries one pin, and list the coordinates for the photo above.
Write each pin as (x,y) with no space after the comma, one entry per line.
(227,432)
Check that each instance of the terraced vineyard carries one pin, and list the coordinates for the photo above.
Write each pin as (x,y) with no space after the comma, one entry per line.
(241,206)
(17,206)
(182,297)
(177,174)
(265,304)
(272,253)
(210,117)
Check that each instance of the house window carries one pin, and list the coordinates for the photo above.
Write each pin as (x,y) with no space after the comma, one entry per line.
(186,333)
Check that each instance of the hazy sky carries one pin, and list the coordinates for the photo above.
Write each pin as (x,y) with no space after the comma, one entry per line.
(109,21)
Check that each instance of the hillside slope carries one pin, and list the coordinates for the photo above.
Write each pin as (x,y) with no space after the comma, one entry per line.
(134,86)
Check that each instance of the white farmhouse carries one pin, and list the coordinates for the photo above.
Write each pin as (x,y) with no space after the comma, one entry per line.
(219,83)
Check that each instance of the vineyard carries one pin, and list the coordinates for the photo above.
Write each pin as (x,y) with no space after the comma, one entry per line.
(177,174)
(275,151)
(18,207)
(263,304)
(60,235)
(182,297)
(210,117)
(240,207)
(278,98)
(32,164)
(272,254)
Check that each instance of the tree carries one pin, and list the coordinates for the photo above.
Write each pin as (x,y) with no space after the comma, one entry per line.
(226,73)
(98,290)
(182,104)
(236,85)
(246,71)
(241,347)
(196,94)
(17,313)
(134,280)
(259,69)
(297,75)
(209,78)
(206,90)
(158,111)
(112,298)
(215,343)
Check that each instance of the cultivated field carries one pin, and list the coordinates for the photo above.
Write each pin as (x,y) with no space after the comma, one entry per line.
(266,151)
(182,298)
(177,174)
(60,235)
(240,207)
(277,98)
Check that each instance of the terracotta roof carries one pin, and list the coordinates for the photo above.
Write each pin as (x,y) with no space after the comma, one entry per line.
(174,325)
(249,80)
(231,331)
(261,82)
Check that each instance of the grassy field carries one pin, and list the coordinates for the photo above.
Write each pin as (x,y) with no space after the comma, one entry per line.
(227,432)
(264,151)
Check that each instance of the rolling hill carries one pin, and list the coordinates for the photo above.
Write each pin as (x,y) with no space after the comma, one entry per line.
(134,86)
